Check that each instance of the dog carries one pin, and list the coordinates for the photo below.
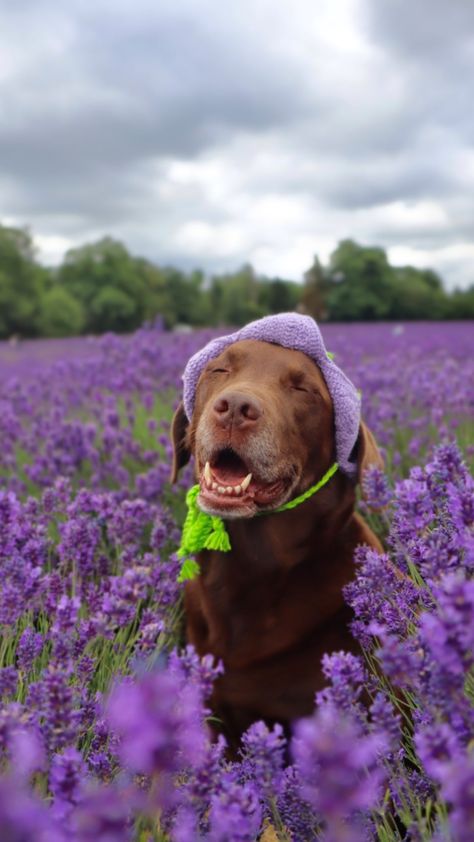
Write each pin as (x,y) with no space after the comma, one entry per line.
(262,431)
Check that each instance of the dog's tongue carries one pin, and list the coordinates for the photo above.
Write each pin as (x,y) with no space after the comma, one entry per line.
(229,468)
(228,475)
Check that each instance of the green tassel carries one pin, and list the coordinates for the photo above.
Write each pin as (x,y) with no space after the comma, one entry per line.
(189,570)
(197,526)
(218,539)
(200,532)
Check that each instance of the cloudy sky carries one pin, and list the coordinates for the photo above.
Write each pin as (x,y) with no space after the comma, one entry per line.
(206,133)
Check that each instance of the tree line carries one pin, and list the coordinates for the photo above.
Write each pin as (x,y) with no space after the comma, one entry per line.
(102,287)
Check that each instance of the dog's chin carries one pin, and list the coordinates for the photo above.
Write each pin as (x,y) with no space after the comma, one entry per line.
(229,509)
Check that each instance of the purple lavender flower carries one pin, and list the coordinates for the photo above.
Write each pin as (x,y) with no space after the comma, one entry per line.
(159,721)
(80,538)
(446,466)
(119,604)
(338,766)
(8,682)
(100,764)
(296,814)
(375,487)
(23,818)
(53,588)
(348,676)
(67,612)
(379,594)
(457,788)
(164,576)
(150,629)
(437,746)
(66,781)
(189,667)
(409,791)
(185,826)
(415,501)
(104,815)
(26,750)
(449,632)
(385,720)
(401,659)
(203,779)
(54,699)
(460,503)
(159,532)
(263,751)
(130,519)
(439,540)
(29,648)
(235,812)
(444,645)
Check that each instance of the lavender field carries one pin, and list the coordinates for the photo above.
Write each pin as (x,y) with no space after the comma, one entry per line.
(103,734)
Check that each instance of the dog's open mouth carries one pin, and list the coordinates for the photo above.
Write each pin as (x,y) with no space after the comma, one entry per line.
(229,486)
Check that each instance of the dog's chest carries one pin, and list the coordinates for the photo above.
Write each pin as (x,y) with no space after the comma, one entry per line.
(244,619)
(236,622)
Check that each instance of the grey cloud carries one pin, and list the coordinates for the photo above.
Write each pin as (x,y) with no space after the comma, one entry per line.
(99,98)
(132,92)
(428,29)
(388,179)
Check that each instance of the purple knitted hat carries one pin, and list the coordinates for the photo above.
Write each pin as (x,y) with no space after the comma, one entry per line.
(300,333)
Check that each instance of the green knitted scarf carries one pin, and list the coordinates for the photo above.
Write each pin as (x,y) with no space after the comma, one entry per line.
(206,532)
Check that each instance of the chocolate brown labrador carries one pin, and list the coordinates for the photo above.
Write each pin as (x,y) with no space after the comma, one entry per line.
(262,433)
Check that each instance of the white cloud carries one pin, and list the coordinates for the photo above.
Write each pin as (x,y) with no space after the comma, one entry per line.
(198,238)
(450,261)
(52,247)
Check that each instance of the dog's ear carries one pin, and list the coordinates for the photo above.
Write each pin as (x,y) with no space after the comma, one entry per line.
(181,453)
(366,451)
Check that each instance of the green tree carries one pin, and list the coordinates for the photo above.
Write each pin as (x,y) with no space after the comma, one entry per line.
(201,303)
(114,308)
(361,283)
(239,296)
(60,314)
(157,298)
(460,304)
(22,283)
(100,287)
(216,301)
(278,296)
(90,272)
(418,294)
(187,302)
(315,291)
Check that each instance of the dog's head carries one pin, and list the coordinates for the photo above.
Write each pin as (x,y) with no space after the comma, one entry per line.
(262,429)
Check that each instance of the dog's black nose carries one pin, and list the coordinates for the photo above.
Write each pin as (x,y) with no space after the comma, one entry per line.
(237,408)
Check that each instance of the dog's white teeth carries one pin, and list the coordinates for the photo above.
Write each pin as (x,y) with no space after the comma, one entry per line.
(232,490)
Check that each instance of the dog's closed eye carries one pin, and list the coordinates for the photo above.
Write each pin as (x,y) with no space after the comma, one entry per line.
(298,387)
(298,382)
